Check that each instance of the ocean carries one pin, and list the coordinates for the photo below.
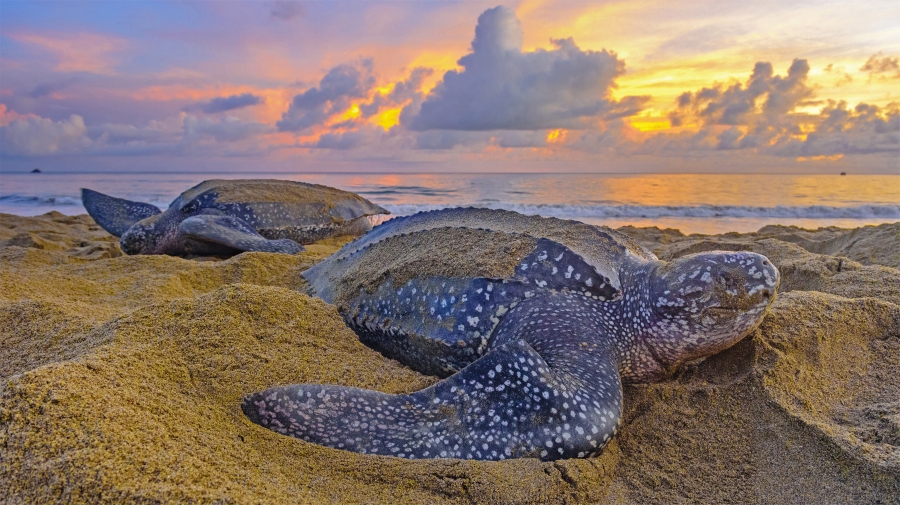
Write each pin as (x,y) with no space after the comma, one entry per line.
(692,203)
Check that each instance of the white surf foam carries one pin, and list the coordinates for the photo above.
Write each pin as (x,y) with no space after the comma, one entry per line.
(698,211)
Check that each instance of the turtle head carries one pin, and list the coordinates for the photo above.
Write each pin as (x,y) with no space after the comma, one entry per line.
(706,302)
(142,237)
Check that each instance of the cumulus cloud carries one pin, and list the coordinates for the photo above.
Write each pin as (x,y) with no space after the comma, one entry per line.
(864,129)
(37,136)
(761,116)
(287,10)
(333,94)
(757,112)
(402,93)
(8,115)
(232,102)
(503,88)
(764,96)
(882,66)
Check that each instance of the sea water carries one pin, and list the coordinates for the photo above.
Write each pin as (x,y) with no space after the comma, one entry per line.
(692,203)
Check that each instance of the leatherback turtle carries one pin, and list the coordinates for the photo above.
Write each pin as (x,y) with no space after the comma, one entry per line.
(225,217)
(536,321)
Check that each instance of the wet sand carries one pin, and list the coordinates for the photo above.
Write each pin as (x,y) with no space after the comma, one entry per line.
(121,379)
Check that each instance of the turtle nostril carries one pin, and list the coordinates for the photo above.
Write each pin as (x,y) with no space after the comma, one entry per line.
(766,262)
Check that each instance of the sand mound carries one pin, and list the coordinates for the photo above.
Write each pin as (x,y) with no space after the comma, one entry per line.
(802,270)
(121,380)
(77,235)
(112,286)
(868,245)
(151,414)
(785,416)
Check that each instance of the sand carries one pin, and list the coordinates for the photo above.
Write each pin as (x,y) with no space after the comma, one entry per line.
(121,379)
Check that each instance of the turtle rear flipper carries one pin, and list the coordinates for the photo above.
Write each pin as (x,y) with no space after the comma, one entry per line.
(512,402)
(115,215)
(235,233)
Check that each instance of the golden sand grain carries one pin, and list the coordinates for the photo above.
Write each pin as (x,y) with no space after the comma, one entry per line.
(121,380)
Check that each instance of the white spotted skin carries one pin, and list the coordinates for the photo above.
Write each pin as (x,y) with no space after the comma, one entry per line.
(548,386)
(694,318)
(535,362)
(437,326)
(513,402)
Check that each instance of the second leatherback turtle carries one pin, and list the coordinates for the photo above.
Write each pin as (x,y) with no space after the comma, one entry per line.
(225,217)
(536,321)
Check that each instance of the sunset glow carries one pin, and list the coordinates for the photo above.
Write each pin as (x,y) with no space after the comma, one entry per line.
(388,119)
(617,86)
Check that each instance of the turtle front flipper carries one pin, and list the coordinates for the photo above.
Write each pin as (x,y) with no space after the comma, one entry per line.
(510,403)
(233,232)
(115,215)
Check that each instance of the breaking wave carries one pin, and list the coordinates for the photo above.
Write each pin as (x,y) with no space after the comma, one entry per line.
(39,201)
(696,211)
(68,204)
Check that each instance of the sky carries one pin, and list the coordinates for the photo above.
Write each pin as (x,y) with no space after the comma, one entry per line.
(693,86)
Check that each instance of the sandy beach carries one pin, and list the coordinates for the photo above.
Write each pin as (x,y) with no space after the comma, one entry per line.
(121,379)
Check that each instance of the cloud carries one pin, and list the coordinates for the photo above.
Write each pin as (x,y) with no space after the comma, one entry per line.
(503,88)
(864,129)
(757,112)
(520,139)
(82,52)
(886,65)
(168,131)
(353,139)
(49,88)
(228,129)
(448,139)
(761,116)
(739,103)
(182,134)
(401,93)
(232,102)
(476,140)
(37,136)
(287,10)
(8,115)
(315,105)
(843,78)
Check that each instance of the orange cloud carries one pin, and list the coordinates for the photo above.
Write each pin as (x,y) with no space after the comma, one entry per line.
(82,52)
(351,113)
(556,136)
(388,119)
(275,100)
(8,115)
(820,158)
(650,123)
